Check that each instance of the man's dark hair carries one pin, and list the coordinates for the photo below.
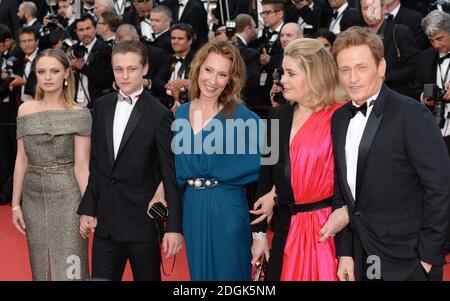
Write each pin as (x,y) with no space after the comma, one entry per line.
(85,17)
(190,33)
(57,35)
(28,30)
(5,33)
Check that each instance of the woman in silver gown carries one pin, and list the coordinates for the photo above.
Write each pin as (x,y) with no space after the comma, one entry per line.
(51,172)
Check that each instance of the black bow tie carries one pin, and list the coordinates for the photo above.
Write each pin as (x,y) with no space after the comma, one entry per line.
(335,14)
(363,109)
(442,59)
(178,59)
(389,17)
(144,19)
(269,33)
(127,99)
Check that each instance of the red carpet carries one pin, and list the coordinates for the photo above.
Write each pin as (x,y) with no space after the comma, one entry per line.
(14,264)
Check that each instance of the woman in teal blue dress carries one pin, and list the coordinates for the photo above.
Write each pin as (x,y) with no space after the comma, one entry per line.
(216,153)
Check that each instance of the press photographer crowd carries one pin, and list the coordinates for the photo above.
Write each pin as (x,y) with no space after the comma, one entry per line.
(123,121)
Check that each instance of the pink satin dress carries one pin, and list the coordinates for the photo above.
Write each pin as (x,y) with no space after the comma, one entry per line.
(312,180)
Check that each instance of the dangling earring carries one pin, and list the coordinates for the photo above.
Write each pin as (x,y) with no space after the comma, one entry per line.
(65,83)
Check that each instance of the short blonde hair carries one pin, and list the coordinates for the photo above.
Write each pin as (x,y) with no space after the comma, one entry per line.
(320,70)
(68,93)
(230,96)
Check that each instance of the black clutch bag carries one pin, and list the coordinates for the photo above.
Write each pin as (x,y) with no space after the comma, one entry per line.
(158,211)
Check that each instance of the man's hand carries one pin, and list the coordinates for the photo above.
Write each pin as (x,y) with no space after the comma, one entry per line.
(427,101)
(346,269)
(77,63)
(18,81)
(172,243)
(87,225)
(177,84)
(337,220)
(446,96)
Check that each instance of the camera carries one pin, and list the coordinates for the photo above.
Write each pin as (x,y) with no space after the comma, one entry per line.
(436,93)
(54,20)
(73,50)
(230,28)
(267,46)
(6,77)
(276,75)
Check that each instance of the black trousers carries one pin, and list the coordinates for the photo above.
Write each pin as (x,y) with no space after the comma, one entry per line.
(109,258)
(8,149)
(447,142)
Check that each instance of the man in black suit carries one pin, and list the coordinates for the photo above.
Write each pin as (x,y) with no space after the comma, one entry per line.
(8,15)
(132,166)
(161,17)
(400,47)
(342,17)
(25,79)
(308,14)
(409,18)
(433,67)
(392,170)
(158,70)
(93,74)
(193,13)
(9,52)
(28,16)
(140,17)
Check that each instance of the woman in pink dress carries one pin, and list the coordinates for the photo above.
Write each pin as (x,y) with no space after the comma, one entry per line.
(302,180)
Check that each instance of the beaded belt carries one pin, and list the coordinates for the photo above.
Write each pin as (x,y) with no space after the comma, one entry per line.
(50,168)
(202,183)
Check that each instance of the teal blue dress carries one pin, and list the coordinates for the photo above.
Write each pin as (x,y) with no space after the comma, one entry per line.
(216,221)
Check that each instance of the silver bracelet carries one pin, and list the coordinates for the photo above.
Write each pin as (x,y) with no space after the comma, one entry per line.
(259,235)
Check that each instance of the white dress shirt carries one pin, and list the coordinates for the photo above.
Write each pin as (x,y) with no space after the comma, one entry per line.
(119,6)
(440,73)
(146,29)
(26,74)
(302,23)
(394,12)
(354,134)
(83,85)
(181,7)
(335,25)
(121,116)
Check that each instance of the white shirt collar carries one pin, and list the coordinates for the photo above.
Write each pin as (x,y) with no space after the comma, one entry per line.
(394,12)
(342,8)
(242,39)
(134,96)
(91,44)
(370,99)
(278,29)
(31,22)
(162,32)
(32,56)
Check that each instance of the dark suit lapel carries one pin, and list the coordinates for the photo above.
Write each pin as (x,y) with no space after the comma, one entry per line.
(186,10)
(339,152)
(109,124)
(135,116)
(370,130)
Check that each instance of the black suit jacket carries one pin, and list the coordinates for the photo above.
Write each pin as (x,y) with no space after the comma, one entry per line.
(8,110)
(134,19)
(164,42)
(194,14)
(120,189)
(350,17)
(321,10)
(98,70)
(402,185)
(8,15)
(412,19)
(30,86)
(427,64)
(252,72)
(400,71)
(159,69)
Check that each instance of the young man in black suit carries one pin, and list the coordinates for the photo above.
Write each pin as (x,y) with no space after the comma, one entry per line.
(342,17)
(132,166)
(400,47)
(93,72)
(392,170)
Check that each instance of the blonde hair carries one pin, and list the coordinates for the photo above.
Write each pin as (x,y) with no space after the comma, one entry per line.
(68,92)
(230,96)
(320,70)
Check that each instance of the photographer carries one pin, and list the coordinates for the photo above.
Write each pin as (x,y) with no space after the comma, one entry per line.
(8,113)
(91,60)
(25,79)
(308,14)
(28,15)
(63,18)
(433,68)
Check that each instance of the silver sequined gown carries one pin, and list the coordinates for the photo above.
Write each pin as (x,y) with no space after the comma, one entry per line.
(50,198)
